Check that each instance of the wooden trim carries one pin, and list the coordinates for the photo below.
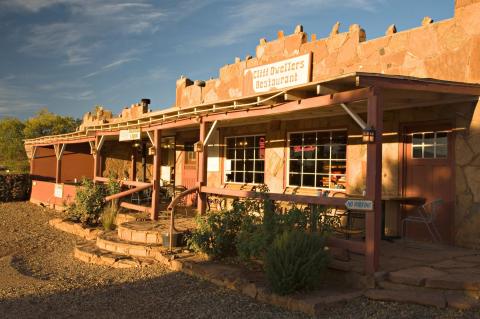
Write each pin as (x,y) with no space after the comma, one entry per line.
(418,85)
(122,182)
(350,245)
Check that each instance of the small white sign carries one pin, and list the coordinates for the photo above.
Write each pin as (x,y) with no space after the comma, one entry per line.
(279,75)
(58,191)
(213,164)
(129,135)
(227,165)
(359,204)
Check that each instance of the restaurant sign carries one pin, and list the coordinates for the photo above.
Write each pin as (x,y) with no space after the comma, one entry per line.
(359,204)
(279,75)
(129,135)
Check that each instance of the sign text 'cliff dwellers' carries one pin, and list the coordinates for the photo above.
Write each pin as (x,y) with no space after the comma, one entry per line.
(282,74)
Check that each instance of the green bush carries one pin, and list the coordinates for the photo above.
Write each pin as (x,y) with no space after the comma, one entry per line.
(112,186)
(88,205)
(295,261)
(217,232)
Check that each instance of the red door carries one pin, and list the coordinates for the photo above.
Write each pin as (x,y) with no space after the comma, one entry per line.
(189,176)
(429,167)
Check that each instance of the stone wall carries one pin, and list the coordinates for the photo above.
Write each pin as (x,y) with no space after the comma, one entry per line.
(439,50)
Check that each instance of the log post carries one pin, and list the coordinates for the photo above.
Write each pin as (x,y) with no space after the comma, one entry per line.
(157,138)
(374,182)
(202,169)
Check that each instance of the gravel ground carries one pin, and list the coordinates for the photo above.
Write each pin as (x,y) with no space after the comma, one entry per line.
(39,278)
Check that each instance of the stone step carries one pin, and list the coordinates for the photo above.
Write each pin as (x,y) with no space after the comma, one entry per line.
(130,216)
(109,241)
(88,252)
(425,298)
(147,232)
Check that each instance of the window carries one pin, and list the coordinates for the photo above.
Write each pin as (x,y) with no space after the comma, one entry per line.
(190,155)
(245,159)
(430,145)
(318,159)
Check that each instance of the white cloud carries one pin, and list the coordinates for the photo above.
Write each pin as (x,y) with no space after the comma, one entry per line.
(14,99)
(251,16)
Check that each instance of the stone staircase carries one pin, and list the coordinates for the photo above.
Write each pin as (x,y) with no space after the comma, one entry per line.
(134,243)
(453,283)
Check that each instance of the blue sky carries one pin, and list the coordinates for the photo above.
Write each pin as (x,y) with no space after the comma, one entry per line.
(69,55)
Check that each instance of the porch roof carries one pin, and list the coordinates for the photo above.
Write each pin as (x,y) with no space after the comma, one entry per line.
(399,92)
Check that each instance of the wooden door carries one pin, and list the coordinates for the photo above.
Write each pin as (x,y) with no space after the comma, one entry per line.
(429,173)
(189,174)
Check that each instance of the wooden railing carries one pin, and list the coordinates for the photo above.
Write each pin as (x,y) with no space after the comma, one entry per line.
(138,187)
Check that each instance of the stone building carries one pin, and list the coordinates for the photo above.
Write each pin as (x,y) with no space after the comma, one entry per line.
(311,118)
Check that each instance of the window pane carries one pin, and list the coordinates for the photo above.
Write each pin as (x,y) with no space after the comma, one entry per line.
(308,180)
(248,177)
(441,138)
(417,152)
(338,167)
(229,177)
(259,166)
(239,177)
(230,153)
(309,152)
(339,137)
(308,166)
(230,142)
(417,139)
(322,181)
(240,153)
(442,151)
(339,151)
(295,139)
(294,179)
(295,166)
(429,138)
(323,167)
(296,152)
(249,141)
(239,165)
(258,178)
(240,142)
(323,138)
(309,139)
(249,153)
(249,165)
(323,152)
(338,181)
(428,152)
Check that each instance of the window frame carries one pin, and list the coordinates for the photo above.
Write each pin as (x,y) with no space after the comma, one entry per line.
(434,145)
(287,172)
(264,135)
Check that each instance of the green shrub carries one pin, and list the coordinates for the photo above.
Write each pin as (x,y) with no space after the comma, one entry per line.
(295,261)
(217,232)
(112,186)
(109,215)
(88,205)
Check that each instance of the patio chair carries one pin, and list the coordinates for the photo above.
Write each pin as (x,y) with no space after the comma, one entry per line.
(425,214)
(348,230)
(183,201)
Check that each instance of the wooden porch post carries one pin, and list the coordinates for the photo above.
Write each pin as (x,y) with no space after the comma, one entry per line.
(32,160)
(374,182)
(133,165)
(58,148)
(202,169)
(157,138)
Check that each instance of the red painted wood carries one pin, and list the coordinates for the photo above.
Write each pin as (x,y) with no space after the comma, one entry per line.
(189,173)
(373,221)
(157,160)
(43,193)
(202,170)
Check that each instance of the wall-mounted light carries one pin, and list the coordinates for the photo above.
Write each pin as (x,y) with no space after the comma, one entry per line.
(368,135)
(136,144)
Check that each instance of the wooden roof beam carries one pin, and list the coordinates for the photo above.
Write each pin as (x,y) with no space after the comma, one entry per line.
(418,85)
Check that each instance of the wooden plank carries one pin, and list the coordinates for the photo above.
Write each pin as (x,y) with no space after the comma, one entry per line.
(373,221)
(202,170)
(126,193)
(305,199)
(157,138)
(353,246)
(138,208)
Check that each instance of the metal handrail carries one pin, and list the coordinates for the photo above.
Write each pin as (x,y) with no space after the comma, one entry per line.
(171,208)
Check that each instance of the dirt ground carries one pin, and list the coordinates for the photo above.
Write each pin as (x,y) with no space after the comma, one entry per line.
(39,278)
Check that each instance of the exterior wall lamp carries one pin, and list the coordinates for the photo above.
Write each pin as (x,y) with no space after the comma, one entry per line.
(368,135)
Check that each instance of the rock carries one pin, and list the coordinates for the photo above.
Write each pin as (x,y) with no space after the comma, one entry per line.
(414,276)
(435,299)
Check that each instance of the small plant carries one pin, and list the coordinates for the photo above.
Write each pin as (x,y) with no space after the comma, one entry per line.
(113,186)
(295,261)
(217,232)
(109,215)
(88,205)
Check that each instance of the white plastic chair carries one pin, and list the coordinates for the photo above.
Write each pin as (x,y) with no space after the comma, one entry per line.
(425,214)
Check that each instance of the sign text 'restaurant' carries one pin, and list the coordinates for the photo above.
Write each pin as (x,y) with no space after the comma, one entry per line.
(279,75)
